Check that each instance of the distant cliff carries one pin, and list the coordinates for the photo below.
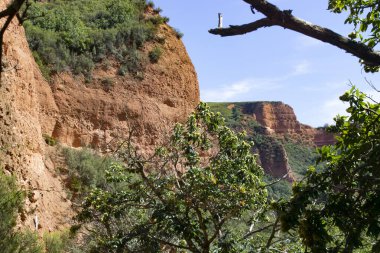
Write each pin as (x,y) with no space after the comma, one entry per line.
(279,118)
(285,146)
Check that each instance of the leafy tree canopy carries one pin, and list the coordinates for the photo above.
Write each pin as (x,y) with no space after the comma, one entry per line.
(364,15)
(337,209)
(202,192)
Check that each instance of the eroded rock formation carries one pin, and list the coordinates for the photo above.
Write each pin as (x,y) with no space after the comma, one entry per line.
(82,114)
(279,118)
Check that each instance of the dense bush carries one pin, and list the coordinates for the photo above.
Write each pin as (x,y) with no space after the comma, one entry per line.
(75,35)
(180,197)
(86,169)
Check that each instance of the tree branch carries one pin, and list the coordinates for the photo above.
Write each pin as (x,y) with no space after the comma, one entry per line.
(9,13)
(284,18)
(242,29)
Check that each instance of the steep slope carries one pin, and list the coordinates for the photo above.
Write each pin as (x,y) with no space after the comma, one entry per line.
(285,146)
(94,115)
(22,146)
(77,113)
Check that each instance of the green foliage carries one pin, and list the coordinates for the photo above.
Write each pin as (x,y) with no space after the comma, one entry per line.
(364,15)
(61,242)
(49,140)
(11,201)
(85,169)
(300,157)
(266,146)
(186,195)
(337,209)
(134,64)
(75,35)
(107,84)
(155,54)
(55,242)
(278,190)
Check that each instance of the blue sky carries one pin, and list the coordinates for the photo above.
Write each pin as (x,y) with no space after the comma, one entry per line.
(271,64)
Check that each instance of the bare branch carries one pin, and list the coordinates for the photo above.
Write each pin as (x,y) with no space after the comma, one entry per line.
(255,231)
(285,19)
(242,29)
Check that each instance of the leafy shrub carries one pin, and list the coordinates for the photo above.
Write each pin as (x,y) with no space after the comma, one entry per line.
(300,157)
(158,20)
(74,35)
(150,4)
(155,54)
(179,196)
(133,63)
(55,242)
(157,10)
(123,70)
(85,169)
(11,201)
(278,189)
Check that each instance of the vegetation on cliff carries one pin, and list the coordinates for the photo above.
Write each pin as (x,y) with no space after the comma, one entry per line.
(76,35)
(11,203)
(299,154)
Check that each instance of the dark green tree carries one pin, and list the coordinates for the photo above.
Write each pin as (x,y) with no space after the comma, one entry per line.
(337,209)
(190,194)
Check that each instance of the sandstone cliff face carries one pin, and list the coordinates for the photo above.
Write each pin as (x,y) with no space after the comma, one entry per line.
(274,161)
(91,114)
(82,114)
(279,118)
(22,147)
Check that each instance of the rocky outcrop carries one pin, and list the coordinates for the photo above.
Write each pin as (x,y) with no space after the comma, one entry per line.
(279,118)
(82,114)
(274,160)
(91,114)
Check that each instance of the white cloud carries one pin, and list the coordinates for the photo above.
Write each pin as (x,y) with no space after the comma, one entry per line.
(332,107)
(233,91)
